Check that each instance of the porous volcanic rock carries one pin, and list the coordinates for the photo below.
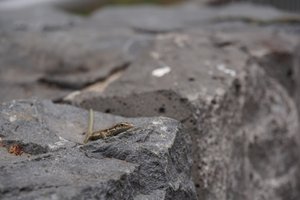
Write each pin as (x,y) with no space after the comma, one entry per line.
(150,161)
(243,121)
(227,73)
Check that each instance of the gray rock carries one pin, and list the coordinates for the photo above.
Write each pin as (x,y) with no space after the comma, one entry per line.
(144,19)
(76,59)
(155,19)
(211,69)
(243,122)
(70,5)
(296,74)
(37,19)
(50,52)
(150,161)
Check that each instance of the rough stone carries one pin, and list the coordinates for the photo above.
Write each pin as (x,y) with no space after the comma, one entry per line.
(243,122)
(226,73)
(296,75)
(151,161)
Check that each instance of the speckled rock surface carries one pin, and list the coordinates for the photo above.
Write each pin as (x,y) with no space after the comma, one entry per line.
(152,160)
(229,74)
(296,74)
(236,109)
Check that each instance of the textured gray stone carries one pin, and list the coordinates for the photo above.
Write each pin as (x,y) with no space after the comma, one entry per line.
(219,71)
(150,161)
(296,74)
(244,123)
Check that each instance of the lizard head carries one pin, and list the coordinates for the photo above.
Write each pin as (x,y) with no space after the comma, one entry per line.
(126,125)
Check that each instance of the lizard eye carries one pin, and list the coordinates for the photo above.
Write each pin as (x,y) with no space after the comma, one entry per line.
(125,124)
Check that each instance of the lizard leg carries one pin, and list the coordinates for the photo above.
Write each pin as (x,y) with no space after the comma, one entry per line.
(103,135)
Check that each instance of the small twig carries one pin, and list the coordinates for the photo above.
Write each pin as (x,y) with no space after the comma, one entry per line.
(90,126)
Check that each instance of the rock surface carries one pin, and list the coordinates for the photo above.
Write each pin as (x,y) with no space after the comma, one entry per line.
(229,74)
(243,121)
(151,161)
(50,53)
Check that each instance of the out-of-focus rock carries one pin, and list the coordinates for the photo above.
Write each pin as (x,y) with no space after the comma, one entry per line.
(48,53)
(80,6)
(296,75)
(46,56)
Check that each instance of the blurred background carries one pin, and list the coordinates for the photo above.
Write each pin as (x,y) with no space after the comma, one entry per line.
(88,6)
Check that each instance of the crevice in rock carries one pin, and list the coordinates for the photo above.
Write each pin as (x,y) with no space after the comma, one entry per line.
(149,31)
(60,82)
(29,148)
(288,20)
(27,189)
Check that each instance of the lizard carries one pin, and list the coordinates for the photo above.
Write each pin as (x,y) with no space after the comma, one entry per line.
(109,132)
